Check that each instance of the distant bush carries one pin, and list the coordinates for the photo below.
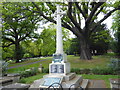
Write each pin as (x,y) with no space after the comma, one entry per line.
(85,71)
(45,70)
(11,61)
(98,71)
(75,70)
(115,65)
(3,67)
(29,72)
(26,55)
(103,71)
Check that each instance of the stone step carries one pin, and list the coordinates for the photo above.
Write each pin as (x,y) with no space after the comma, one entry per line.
(84,83)
(16,86)
(69,76)
(36,84)
(75,82)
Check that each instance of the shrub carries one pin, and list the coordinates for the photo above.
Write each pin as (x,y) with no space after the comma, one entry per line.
(22,81)
(114,64)
(85,71)
(75,70)
(103,71)
(45,70)
(10,61)
(26,55)
(29,72)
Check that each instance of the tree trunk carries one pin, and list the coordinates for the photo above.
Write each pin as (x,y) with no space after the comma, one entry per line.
(85,53)
(17,51)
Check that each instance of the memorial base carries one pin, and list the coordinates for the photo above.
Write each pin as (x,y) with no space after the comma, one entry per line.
(70,80)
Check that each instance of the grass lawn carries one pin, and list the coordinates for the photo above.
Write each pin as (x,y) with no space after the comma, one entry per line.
(28,61)
(106,78)
(31,79)
(97,61)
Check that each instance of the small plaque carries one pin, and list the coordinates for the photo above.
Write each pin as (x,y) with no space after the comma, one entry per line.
(57,68)
(50,80)
(60,68)
(57,58)
(53,68)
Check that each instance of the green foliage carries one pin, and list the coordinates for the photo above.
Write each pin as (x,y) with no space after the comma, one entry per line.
(116,29)
(8,52)
(100,40)
(29,72)
(45,70)
(81,71)
(85,71)
(31,79)
(18,25)
(103,71)
(48,43)
(74,47)
(75,70)
(96,71)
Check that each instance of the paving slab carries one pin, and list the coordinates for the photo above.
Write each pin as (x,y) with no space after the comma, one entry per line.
(16,86)
(96,84)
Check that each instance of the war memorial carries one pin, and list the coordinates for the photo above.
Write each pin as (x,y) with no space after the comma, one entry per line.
(59,70)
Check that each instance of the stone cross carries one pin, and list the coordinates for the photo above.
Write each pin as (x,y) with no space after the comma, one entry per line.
(59,42)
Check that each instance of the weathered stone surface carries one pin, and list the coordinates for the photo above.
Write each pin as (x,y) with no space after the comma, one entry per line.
(115,83)
(6,81)
(13,74)
(36,84)
(9,79)
(75,82)
(98,84)
(16,86)
(69,76)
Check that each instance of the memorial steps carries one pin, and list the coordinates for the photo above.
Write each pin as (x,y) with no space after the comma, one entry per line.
(70,80)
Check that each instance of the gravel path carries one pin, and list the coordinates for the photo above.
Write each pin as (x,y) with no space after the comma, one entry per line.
(27,64)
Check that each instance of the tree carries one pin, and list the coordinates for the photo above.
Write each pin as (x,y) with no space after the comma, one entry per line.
(18,25)
(77,11)
(48,40)
(74,49)
(116,28)
(31,48)
(100,40)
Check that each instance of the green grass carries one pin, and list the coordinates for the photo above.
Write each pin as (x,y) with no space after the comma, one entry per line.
(101,77)
(27,61)
(97,61)
(31,79)
(23,68)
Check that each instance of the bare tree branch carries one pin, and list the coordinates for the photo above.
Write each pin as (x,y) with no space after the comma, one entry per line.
(8,39)
(99,11)
(41,14)
(105,17)
(108,14)
(93,12)
(71,17)
(7,45)
(79,8)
